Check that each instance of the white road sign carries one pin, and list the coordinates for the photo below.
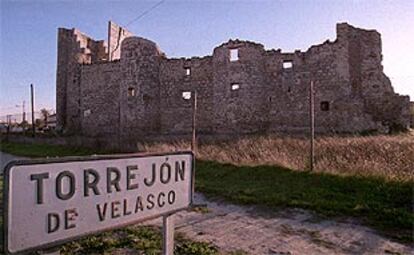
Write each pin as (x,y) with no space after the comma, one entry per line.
(51,202)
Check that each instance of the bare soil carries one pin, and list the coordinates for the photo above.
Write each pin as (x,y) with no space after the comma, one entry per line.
(288,231)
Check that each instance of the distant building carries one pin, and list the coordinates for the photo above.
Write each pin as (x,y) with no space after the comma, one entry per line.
(3,128)
(16,129)
(51,121)
(127,89)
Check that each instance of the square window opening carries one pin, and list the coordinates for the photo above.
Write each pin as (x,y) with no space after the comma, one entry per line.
(87,112)
(186,95)
(131,92)
(187,71)
(325,106)
(235,86)
(234,55)
(287,64)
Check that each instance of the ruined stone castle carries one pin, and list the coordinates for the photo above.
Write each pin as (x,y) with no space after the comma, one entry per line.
(127,88)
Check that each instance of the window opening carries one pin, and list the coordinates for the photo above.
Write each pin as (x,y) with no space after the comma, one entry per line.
(235,86)
(287,64)
(325,106)
(87,112)
(234,54)
(131,92)
(186,95)
(187,71)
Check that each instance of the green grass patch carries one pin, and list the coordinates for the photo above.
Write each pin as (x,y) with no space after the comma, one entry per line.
(45,150)
(137,240)
(382,204)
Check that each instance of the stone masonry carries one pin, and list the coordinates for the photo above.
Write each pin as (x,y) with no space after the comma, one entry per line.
(127,89)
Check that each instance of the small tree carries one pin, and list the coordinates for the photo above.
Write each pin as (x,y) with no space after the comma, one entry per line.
(45,114)
(24,124)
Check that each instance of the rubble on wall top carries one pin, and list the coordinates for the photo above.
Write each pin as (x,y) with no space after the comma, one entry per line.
(347,25)
(194,58)
(341,27)
(240,42)
(321,45)
(103,62)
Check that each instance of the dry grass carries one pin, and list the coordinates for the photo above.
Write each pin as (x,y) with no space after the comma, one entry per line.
(388,156)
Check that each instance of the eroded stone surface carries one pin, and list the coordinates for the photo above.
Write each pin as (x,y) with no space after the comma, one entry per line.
(133,91)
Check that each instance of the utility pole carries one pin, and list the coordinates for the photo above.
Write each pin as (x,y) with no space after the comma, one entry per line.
(194,138)
(33,120)
(8,125)
(24,112)
(312,123)
(24,117)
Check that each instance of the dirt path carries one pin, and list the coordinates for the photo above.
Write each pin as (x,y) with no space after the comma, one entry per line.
(291,231)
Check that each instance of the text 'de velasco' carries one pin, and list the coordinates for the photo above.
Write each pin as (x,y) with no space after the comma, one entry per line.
(52,202)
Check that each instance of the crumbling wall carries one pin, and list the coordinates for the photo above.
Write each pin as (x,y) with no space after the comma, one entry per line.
(116,35)
(74,49)
(239,88)
(179,79)
(337,109)
(412,114)
(99,99)
(369,81)
(133,91)
(139,88)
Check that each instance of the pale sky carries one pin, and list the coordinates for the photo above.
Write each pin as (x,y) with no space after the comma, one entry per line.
(190,28)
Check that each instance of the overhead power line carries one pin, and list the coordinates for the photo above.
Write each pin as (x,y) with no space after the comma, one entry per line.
(401,77)
(145,12)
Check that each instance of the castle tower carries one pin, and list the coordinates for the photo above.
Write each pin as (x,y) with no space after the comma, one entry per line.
(140,87)
(74,49)
(368,80)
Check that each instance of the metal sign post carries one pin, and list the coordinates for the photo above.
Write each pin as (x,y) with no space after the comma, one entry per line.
(168,235)
(65,199)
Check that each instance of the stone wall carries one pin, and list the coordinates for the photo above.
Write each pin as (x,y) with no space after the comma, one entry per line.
(135,91)
(240,109)
(99,104)
(116,35)
(74,50)
(412,114)
(140,109)
(176,111)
